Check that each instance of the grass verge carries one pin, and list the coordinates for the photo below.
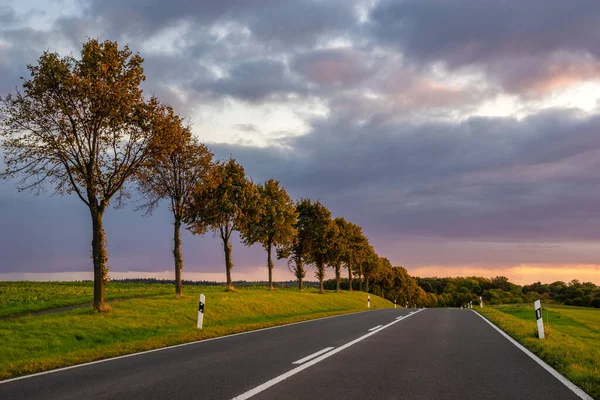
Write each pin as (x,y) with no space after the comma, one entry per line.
(572,343)
(43,342)
(20,298)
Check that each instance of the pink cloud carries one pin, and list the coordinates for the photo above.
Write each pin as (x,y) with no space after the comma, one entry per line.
(333,67)
(539,76)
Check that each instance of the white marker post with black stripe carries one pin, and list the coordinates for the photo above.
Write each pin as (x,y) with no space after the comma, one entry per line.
(201,311)
(394,303)
(480,302)
(538,317)
(369,301)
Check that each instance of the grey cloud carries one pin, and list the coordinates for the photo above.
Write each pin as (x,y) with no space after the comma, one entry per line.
(25,45)
(484,178)
(246,127)
(7,16)
(253,81)
(470,31)
(301,22)
(77,30)
(141,17)
(270,20)
(491,34)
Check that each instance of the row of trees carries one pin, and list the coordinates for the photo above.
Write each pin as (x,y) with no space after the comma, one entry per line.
(454,292)
(84,127)
(573,293)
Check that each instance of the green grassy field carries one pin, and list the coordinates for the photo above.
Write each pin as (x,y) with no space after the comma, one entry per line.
(17,298)
(572,343)
(41,342)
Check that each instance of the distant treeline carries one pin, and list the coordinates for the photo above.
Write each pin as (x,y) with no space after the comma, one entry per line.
(440,292)
(454,292)
(283,284)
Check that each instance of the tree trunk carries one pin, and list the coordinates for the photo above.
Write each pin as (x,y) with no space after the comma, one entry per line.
(300,273)
(350,277)
(321,276)
(99,257)
(338,277)
(177,256)
(360,279)
(367,284)
(228,263)
(270,266)
(300,276)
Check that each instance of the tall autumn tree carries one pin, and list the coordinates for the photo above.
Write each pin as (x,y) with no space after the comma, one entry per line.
(296,255)
(183,165)
(83,127)
(339,252)
(364,252)
(356,241)
(319,234)
(383,276)
(371,269)
(231,203)
(275,225)
(296,251)
(404,287)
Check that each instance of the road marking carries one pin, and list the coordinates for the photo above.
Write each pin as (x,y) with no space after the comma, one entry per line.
(276,380)
(402,317)
(376,327)
(318,353)
(574,388)
(177,345)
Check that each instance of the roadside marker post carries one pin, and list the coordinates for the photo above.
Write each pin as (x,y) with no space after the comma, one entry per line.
(369,301)
(394,303)
(480,302)
(406,305)
(538,317)
(201,311)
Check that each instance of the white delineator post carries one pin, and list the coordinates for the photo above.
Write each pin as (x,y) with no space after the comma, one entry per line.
(201,311)
(538,317)
(394,303)
(480,302)
(369,301)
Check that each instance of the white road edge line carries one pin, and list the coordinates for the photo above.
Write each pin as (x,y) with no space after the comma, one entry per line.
(402,317)
(574,388)
(313,355)
(276,380)
(174,346)
(374,328)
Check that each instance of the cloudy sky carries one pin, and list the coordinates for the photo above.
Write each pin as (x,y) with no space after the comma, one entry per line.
(463,136)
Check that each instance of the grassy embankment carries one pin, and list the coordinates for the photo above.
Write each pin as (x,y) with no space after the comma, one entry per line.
(17,298)
(572,343)
(42,342)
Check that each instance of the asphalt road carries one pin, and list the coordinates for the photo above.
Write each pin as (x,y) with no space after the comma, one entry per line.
(429,354)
